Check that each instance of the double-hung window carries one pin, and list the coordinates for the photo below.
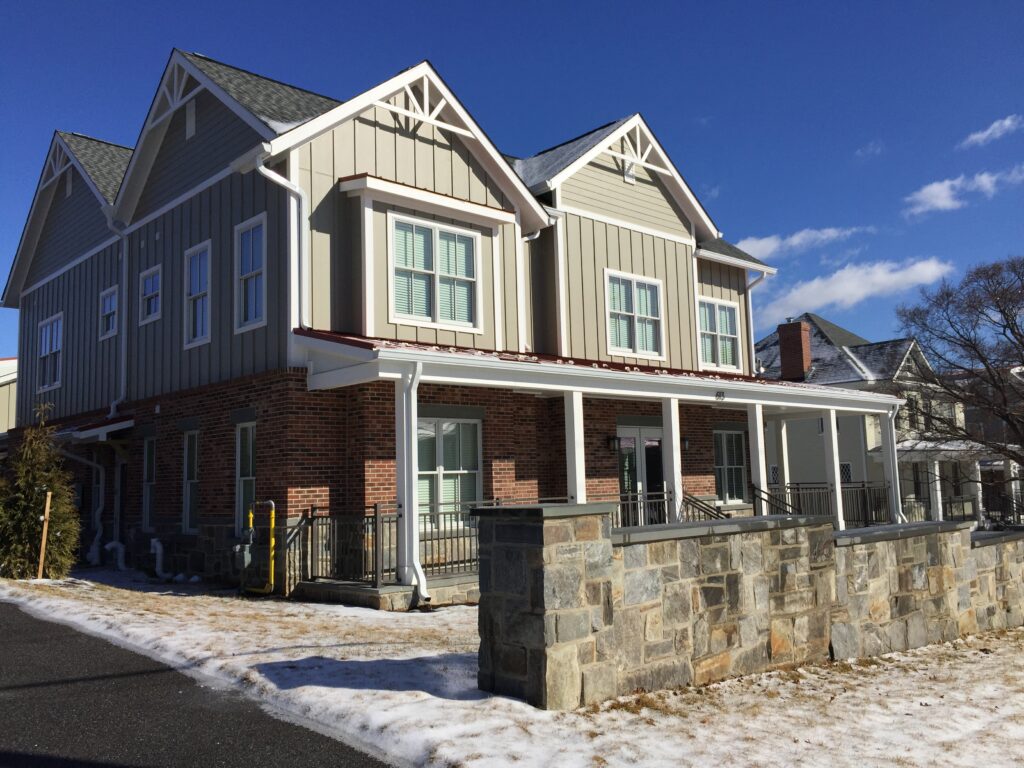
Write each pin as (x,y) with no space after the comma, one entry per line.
(197,295)
(250,273)
(719,334)
(448,453)
(435,273)
(51,333)
(108,313)
(730,467)
(149,295)
(148,481)
(634,315)
(245,488)
(190,487)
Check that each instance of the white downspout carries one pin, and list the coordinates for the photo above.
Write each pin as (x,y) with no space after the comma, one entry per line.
(750,319)
(122,309)
(93,555)
(156,547)
(117,546)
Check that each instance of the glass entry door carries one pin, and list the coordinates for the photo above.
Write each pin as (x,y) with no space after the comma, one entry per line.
(641,476)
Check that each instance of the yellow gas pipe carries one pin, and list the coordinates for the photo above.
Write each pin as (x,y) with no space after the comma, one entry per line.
(269,586)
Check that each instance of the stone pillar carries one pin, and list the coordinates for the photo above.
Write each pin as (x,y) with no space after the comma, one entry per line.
(833,476)
(935,489)
(545,588)
(758,468)
(671,454)
(575,463)
(890,466)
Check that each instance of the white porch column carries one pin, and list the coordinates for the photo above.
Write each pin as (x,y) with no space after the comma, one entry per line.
(974,483)
(406,475)
(755,430)
(783,453)
(575,463)
(890,466)
(671,454)
(934,489)
(1011,471)
(832,472)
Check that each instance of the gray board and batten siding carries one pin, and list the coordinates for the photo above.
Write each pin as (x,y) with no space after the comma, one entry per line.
(381,144)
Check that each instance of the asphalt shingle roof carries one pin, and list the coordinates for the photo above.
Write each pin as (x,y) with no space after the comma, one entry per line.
(104,162)
(838,355)
(725,248)
(279,106)
(547,164)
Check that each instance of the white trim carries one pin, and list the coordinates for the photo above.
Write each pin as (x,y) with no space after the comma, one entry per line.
(492,160)
(739,347)
(422,118)
(185,528)
(732,261)
(143,320)
(426,201)
(634,353)
(69,266)
(499,300)
(60,367)
(756,445)
(259,220)
(833,474)
(520,287)
(102,432)
(672,454)
(561,279)
(199,341)
(621,224)
(111,291)
(369,271)
(695,325)
(477,327)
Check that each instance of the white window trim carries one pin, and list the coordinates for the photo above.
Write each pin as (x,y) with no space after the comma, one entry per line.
(258,219)
(397,319)
(60,375)
(206,245)
(185,528)
(112,290)
(143,319)
(739,335)
(239,512)
(439,451)
(622,352)
(147,508)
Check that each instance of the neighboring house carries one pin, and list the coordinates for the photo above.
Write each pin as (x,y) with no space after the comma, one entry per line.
(363,306)
(8,398)
(937,479)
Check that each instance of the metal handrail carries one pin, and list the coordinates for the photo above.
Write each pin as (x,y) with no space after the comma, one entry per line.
(763,498)
(705,511)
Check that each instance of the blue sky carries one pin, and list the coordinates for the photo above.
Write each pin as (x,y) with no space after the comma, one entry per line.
(832,139)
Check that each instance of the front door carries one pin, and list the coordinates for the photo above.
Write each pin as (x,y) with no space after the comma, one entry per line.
(641,474)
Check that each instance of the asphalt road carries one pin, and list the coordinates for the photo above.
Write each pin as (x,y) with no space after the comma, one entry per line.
(69,699)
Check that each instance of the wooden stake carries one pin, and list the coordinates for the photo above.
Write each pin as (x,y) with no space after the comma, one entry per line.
(46,525)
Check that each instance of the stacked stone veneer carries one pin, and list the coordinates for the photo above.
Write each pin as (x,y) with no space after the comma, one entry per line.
(904,587)
(569,617)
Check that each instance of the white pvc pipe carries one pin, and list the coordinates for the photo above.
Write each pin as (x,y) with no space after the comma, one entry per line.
(117,546)
(156,547)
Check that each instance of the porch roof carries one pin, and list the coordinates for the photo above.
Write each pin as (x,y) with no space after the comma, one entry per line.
(366,359)
(935,450)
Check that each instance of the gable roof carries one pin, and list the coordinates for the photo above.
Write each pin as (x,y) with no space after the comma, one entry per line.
(104,162)
(548,163)
(838,356)
(278,105)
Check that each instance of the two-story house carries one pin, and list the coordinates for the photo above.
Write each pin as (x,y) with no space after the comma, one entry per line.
(938,478)
(362,308)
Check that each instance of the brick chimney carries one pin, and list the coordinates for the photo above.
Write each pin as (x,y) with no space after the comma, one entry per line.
(794,349)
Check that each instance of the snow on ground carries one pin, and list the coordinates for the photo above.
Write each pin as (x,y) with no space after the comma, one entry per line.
(405,685)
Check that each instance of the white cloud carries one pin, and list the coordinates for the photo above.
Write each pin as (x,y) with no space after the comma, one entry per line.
(998,129)
(777,245)
(851,285)
(948,194)
(871,149)
(712,193)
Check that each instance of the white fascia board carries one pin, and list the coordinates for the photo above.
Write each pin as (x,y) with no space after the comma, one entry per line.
(431,202)
(731,261)
(683,192)
(346,376)
(335,348)
(102,432)
(490,157)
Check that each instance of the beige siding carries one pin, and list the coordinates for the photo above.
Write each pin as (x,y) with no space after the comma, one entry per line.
(8,405)
(381,144)
(591,247)
(601,187)
(720,281)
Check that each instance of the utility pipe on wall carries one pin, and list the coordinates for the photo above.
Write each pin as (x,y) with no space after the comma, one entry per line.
(118,547)
(156,547)
(750,320)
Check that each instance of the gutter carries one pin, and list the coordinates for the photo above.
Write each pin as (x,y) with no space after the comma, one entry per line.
(750,319)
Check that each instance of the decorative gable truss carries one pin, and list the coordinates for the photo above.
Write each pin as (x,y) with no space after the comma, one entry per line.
(177,87)
(422,112)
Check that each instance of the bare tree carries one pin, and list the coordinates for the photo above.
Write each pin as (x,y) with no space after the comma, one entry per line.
(971,339)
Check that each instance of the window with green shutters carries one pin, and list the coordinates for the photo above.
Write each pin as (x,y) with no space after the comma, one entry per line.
(719,334)
(435,271)
(634,315)
(448,461)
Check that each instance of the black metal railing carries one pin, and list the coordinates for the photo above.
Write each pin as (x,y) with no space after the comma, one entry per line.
(638,509)
(803,498)
(866,504)
(1004,510)
(772,501)
(916,510)
(959,508)
(693,510)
